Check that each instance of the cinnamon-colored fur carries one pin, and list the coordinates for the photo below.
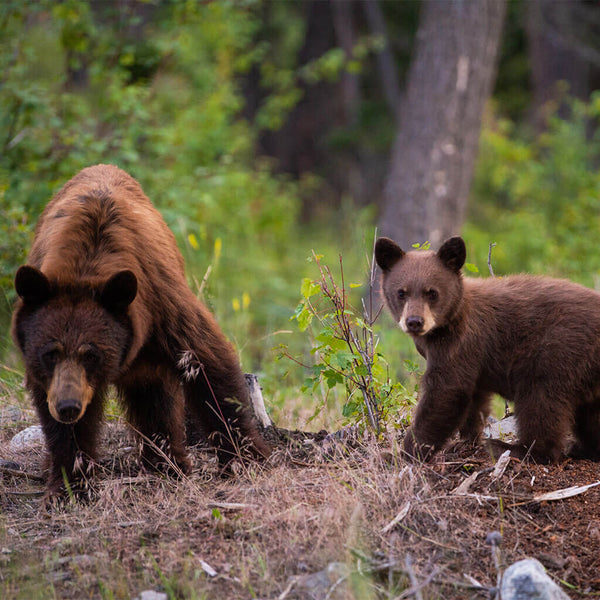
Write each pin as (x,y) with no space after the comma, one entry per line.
(533,340)
(104,300)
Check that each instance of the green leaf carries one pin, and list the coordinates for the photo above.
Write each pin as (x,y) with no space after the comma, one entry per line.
(304,318)
(423,246)
(328,339)
(309,288)
(332,378)
(351,408)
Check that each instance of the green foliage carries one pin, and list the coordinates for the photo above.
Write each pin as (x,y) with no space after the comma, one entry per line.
(423,246)
(164,104)
(345,351)
(539,199)
(160,96)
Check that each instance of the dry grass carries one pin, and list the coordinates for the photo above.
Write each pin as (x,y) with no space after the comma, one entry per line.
(383,528)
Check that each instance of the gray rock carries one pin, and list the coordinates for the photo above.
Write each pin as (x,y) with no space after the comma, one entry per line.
(528,580)
(10,464)
(28,439)
(505,428)
(152,595)
(10,414)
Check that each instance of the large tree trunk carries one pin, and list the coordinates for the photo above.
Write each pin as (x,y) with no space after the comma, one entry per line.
(450,78)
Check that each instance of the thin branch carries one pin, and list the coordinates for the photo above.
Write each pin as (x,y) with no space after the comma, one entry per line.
(489,260)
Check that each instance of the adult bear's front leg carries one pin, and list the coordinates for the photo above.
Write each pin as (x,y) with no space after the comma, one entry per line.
(71,448)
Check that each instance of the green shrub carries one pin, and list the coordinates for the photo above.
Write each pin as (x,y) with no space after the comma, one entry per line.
(346,359)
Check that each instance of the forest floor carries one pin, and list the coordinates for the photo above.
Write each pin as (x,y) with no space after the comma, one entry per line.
(317,521)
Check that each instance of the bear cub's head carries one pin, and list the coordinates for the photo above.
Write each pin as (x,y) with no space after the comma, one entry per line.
(421,288)
(73,339)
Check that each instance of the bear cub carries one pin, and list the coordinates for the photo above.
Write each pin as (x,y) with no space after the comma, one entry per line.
(533,340)
(104,301)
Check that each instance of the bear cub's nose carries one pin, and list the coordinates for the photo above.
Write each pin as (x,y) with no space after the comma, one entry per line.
(414,324)
(68,410)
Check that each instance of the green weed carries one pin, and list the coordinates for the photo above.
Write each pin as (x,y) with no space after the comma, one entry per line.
(345,350)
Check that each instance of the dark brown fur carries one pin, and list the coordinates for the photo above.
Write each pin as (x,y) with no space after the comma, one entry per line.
(104,300)
(533,340)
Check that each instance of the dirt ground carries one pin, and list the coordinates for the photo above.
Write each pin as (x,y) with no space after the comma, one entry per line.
(319,520)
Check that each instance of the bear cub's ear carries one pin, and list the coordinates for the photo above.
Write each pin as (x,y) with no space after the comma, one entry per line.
(119,291)
(387,253)
(32,285)
(453,253)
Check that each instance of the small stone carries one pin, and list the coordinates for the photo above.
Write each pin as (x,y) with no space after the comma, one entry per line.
(152,595)
(527,579)
(28,439)
(505,428)
(10,464)
(494,538)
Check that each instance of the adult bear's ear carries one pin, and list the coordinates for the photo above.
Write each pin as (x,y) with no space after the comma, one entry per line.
(32,286)
(119,291)
(453,253)
(387,253)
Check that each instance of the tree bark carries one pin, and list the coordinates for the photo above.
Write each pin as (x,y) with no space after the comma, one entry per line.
(342,15)
(562,40)
(385,59)
(449,80)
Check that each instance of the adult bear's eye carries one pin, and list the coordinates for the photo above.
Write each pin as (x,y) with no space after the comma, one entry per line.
(432,295)
(401,294)
(90,356)
(49,358)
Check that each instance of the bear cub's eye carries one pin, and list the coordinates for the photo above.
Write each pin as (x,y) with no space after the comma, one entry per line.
(401,294)
(432,295)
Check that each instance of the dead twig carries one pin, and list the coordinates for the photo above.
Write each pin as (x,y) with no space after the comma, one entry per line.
(403,512)
(230,505)
(415,589)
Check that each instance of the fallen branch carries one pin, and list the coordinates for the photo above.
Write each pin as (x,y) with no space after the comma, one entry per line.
(230,505)
(258,403)
(33,494)
(465,486)
(18,473)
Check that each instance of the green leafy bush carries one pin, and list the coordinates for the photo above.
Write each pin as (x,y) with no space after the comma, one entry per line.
(346,352)
(539,198)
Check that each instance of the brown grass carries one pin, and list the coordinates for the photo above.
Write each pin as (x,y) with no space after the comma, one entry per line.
(309,524)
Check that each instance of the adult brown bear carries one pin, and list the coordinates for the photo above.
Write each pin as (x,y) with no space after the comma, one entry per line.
(533,340)
(104,300)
